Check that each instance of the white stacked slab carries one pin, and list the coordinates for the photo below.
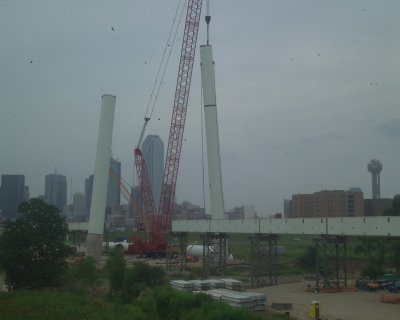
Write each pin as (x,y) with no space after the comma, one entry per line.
(200,285)
(215,283)
(233,284)
(259,300)
(247,300)
(235,297)
(182,285)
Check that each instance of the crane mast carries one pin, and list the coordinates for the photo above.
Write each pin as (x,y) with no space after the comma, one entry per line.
(179,111)
(159,222)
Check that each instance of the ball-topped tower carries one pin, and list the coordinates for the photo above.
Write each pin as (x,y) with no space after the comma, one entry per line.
(375,167)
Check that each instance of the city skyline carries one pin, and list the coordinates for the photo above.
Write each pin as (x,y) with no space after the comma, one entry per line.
(321,203)
(307,93)
(116,165)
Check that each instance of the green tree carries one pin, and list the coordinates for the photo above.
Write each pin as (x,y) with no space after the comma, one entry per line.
(33,248)
(381,252)
(393,246)
(87,271)
(140,276)
(83,276)
(116,269)
(147,303)
(82,273)
(308,259)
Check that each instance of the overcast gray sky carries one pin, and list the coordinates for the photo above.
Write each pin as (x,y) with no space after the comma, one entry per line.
(308,92)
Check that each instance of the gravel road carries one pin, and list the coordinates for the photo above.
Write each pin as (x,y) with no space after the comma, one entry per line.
(361,305)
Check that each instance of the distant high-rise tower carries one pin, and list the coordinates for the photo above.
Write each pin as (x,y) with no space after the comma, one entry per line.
(88,192)
(55,190)
(79,204)
(153,153)
(12,194)
(113,192)
(375,167)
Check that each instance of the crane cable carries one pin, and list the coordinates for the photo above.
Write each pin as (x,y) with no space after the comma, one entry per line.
(202,148)
(208,19)
(163,64)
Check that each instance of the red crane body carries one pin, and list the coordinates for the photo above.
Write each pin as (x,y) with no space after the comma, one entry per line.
(160,222)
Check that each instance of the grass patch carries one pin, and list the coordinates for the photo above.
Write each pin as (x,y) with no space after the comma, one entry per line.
(160,303)
(55,304)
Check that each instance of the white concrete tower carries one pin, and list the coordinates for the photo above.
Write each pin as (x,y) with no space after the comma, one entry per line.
(212,137)
(100,180)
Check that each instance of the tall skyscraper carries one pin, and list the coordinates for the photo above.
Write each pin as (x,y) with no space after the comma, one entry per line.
(113,192)
(153,153)
(79,204)
(375,167)
(55,190)
(88,192)
(12,193)
(287,204)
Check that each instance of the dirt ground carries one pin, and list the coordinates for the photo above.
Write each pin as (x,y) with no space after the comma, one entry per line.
(357,305)
(349,305)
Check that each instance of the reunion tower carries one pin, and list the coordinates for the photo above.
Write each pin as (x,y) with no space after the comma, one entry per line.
(375,167)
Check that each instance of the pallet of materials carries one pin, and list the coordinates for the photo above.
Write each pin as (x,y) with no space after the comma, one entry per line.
(200,285)
(215,283)
(233,284)
(182,285)
(247,300)
(259,300)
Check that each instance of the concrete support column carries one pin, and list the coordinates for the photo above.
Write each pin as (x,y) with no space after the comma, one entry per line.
(100,181)
(212,136)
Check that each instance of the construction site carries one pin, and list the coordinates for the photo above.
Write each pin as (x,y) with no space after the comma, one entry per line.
(204,249)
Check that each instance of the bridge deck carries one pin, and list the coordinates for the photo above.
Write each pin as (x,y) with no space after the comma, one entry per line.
(358,226)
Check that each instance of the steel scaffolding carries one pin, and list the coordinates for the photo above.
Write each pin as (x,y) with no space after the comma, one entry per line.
(214,253)
(264,260)
(176,251)
(331,262)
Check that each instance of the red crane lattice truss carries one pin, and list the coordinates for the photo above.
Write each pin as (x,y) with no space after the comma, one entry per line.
(179,111)
(160,222)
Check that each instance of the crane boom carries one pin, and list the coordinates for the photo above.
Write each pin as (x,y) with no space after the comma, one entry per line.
(159,222)
(179,111)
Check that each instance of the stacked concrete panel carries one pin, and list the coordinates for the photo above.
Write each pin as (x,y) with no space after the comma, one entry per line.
(182,285)
(246,300)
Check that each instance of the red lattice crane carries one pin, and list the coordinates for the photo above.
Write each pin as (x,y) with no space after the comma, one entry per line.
(160,221)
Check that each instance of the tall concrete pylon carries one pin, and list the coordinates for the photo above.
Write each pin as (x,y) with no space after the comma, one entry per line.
(100,180)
